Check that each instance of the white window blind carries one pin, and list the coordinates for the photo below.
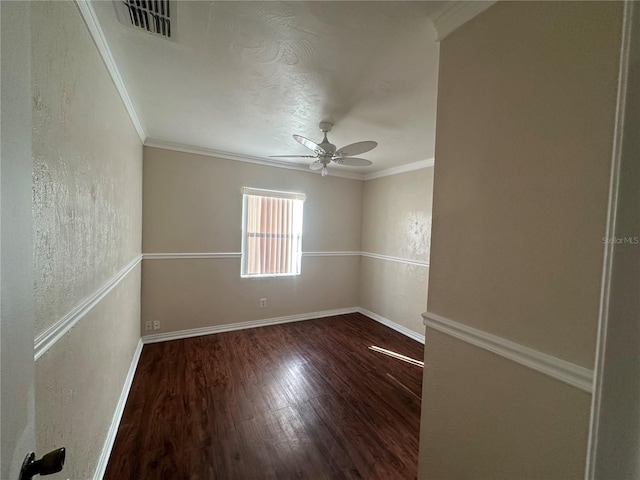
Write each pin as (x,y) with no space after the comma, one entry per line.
(272,233)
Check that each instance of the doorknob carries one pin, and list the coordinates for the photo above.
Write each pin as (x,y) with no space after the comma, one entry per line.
(52,462)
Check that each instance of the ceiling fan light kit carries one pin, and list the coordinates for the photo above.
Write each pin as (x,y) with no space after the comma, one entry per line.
(326,152)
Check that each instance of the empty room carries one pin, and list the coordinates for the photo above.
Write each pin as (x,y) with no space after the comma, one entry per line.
(320,239)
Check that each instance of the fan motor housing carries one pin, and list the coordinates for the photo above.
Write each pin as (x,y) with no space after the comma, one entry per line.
(325,126)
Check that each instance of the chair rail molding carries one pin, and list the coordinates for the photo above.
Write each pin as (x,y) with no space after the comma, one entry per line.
(390,258)
(554,367)
(46,339)
(222,255)
(187,256)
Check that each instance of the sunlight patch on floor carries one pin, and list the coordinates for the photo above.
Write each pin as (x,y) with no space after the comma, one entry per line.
(397,355)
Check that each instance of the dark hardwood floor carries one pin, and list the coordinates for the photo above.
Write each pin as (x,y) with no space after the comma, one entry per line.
(299,400)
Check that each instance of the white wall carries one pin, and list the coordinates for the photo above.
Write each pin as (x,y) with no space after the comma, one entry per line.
(87,192)
(193,204)
(618,427)
(17,417)
(526,109)
(396,222)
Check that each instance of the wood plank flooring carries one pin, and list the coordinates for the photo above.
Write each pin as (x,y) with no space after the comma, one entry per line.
(304,400)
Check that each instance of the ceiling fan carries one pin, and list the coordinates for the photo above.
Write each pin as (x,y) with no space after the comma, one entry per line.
(326,152)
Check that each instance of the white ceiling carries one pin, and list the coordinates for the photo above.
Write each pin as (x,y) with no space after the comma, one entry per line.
(242,77)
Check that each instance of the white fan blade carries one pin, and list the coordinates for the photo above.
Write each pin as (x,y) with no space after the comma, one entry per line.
(353,162)
(309,144)
(356,149)
(316,166)
(293,156)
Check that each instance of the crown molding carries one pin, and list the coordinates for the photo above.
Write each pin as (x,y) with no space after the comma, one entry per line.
(401,169)
(445,16)
(209,152)
(88,14)
(454,14)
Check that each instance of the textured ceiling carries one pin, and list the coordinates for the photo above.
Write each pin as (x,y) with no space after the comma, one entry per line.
(242,77)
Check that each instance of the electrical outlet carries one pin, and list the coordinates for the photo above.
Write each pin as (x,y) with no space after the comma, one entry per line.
(263,302)
(147,326)
(156,324)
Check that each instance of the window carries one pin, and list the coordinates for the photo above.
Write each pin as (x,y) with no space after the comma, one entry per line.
(271,233)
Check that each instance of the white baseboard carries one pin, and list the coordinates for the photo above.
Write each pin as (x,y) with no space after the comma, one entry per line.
(229,327)
(117,416)
(393,325)
(197,332)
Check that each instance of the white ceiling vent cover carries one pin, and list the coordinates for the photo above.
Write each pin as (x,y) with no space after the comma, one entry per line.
(151,16)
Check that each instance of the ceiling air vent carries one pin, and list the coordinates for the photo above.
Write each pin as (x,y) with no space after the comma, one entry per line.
(152,16)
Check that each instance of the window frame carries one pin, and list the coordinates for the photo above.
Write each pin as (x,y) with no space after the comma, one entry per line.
(259,192)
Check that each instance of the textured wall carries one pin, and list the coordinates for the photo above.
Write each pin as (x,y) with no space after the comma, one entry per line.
(193,204)
(526,103)
(87,185)
(396,221)
(79,380)
(86,196)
